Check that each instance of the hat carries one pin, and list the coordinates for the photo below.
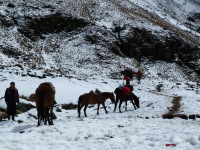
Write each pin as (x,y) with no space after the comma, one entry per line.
(12,83)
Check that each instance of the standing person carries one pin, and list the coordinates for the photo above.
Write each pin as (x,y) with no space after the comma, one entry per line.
(128,75)
(11,98)
(139,75)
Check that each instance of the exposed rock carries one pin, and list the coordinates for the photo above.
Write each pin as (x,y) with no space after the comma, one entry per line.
(10,51)
(34,28)
(32,98)
(140,43)
(23,107)
(5,20)
(158,87)
(11,5)
(69,106)
(58,110)
(3,116)
(54,116)
(135,43)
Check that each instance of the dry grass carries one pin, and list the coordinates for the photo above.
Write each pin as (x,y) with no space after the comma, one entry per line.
(176,104)
(3,115)
(174,109)
(30,98)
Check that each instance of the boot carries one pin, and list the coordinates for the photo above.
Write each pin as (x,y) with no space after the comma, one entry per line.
(8,117)
(13,117)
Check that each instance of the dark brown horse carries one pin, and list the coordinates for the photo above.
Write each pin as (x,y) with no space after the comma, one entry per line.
(125,97)
(91,98)
(44,98)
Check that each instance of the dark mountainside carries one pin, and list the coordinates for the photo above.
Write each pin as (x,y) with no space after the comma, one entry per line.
(126,41)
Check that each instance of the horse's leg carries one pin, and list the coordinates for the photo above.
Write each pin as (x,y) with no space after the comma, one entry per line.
(133,104)
(45,117)
(98,108)
(85,109)
(126,105)
(79,111)
(48,118)
(51,115)
(120,103)
(38,122)
(104,108)
(38,117)
(117,100)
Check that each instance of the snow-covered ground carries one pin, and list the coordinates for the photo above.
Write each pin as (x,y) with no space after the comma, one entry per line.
(141,129)
(138,129)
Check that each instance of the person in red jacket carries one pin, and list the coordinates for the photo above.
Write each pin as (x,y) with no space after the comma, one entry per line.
(11,98)
(139,75)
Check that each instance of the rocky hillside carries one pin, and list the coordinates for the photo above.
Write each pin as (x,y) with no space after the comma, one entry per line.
(56,38)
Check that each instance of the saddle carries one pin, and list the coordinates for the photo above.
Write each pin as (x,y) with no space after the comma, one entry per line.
(92,93)
(96,93)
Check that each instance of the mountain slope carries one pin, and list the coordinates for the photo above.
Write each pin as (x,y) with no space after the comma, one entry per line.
(53,38)
(82,45)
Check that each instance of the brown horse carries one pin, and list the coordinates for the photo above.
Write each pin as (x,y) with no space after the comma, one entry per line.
(125,97)
(44,98)
(91,98)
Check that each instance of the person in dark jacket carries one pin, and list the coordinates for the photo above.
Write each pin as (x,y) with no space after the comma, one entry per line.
(11,98)
(128,75)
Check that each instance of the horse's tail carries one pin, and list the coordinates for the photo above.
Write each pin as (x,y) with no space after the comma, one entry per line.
(79,103)
(41,104)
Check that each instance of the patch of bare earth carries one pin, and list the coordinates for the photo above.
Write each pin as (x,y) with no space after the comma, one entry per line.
(173,111)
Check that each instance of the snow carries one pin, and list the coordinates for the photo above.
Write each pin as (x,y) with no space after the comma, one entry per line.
(173,11)
(143,128)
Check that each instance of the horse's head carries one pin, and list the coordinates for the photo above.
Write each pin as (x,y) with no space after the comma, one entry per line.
(137,102)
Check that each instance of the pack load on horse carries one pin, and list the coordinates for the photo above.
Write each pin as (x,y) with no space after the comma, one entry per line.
(45,99)
(121,86)
(139,74)
(128,75)
(94,98)
(125,94)
(97,92)
(126,90)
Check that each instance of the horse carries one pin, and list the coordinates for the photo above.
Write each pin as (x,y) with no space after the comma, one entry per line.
(125,97)
(44,98)
(91,98)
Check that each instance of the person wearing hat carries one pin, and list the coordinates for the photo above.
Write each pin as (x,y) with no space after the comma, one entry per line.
(11,98)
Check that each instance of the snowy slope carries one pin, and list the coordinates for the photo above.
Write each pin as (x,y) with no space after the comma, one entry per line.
(78,67)
(57,52)
(143,128)
(176,12)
